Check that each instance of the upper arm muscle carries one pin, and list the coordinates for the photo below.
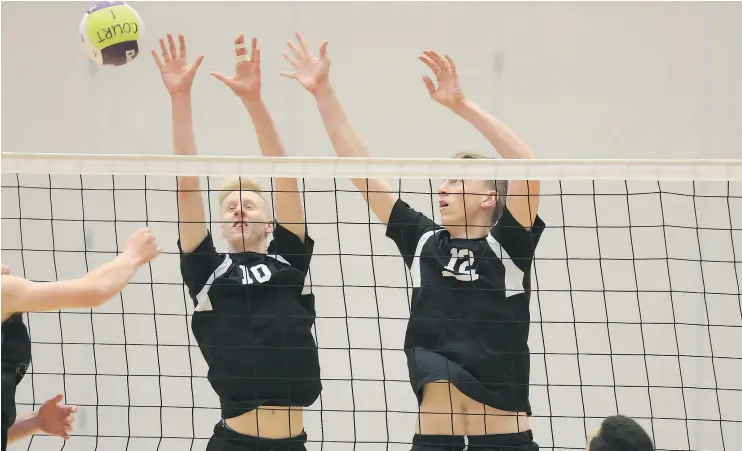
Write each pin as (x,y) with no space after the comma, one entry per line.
(523,200)
(379,195)
(191,216)
(289,208)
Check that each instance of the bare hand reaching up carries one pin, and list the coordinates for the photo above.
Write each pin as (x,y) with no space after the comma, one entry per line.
(311,72)
(245,82)
(448,93)
(177,76)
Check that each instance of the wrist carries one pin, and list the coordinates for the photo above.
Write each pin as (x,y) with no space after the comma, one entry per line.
(323,90)
(180,97)
(251,101)
(131,257)
(464,108)
(33,423)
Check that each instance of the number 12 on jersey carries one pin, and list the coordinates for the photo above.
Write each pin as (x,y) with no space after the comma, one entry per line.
(260,272)
(461,265)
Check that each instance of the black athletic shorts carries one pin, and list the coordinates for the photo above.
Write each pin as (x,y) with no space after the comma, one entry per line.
(522,441)
(227,439)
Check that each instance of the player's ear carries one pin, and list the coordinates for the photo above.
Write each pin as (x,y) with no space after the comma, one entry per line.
(269,227)
(489,200)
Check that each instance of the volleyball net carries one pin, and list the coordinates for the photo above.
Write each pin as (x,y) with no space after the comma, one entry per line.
(635,307)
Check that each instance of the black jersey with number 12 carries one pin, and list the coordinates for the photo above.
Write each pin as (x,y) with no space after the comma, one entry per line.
(470,317)
(253,323)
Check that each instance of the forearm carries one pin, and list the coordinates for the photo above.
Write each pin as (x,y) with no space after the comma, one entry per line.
(184,138)
(109,279)
(268,139)
(342,136)
(23,427)
(502,138)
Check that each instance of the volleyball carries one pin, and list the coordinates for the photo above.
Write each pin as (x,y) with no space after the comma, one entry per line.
(110,33)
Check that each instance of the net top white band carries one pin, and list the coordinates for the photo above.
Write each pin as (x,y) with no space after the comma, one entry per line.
(393,168)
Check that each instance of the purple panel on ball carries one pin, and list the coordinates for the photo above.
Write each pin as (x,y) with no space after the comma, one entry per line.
(102,5)
(119,54)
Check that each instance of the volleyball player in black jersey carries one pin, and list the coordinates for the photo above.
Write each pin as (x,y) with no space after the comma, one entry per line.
(20,295)
(252,321)
(466,340)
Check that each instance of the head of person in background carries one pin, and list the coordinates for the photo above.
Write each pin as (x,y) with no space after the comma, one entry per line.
(619,433)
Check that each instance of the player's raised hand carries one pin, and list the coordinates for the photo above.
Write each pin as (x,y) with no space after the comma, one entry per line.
(448,93)
(55,418)
(176,74)
(311,71)
(143,246)
(245,82)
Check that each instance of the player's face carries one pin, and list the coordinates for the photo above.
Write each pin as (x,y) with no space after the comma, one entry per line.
(467,202)
(246,220)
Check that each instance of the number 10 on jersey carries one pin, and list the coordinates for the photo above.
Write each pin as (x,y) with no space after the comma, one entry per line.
(260,273)
(461,265)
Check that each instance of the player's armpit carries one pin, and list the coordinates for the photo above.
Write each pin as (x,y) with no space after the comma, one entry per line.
(295,249)
(523,201)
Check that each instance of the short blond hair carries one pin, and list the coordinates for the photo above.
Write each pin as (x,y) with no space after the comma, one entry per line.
(500,186)
(239,184)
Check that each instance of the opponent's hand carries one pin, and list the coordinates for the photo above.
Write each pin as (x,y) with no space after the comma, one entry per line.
(143,246)
(448,93)
(246,80)
(311,72)
(55,418)
(176,75)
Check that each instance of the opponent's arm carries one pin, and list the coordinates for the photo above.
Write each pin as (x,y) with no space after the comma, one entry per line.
(246,85)
(52,418)
(178,79)
(313,73)
(523,195)
(20,295)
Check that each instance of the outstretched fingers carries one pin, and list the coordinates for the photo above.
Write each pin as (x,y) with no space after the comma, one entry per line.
(182,43)
(163,50)
(171,43)
(429,85)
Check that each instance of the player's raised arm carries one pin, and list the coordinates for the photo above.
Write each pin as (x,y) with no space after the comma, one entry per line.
(20,295)
(313,74)
(177,77)
(245,83)
(523,195)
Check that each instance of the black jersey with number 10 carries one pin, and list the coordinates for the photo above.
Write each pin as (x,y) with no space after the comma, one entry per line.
(253,323)
(470,317)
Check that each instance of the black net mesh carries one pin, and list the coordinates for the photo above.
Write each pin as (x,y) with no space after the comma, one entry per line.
(635,310)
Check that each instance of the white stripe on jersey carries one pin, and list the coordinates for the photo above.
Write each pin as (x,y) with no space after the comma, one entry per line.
(513,275)
(203,303)
(415,267)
